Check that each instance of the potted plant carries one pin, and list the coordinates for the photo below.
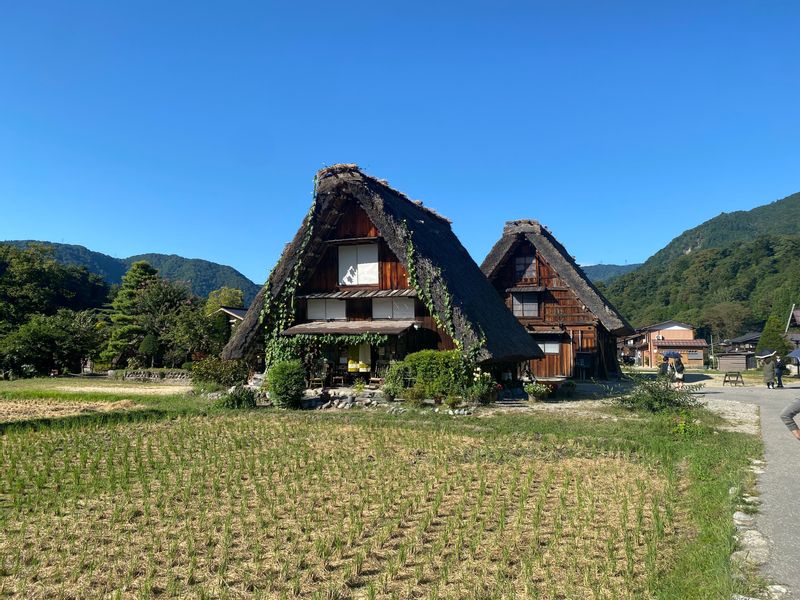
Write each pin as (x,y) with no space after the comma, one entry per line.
(536,391)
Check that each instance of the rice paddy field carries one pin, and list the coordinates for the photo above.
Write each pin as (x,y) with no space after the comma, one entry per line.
(161,496)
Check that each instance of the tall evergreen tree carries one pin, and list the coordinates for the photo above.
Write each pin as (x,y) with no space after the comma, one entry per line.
(126,330)
(772,337)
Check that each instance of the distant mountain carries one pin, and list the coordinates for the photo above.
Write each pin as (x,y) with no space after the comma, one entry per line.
(202,276)
(607,272)
(781,217)
(741,266)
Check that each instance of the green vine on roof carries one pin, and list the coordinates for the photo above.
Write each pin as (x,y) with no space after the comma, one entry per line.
(444,319)
(424,289)
(279,312)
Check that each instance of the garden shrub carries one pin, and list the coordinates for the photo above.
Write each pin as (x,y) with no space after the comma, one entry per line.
(440,373)
(414,395)
(658,394)
(452,401)
(394,381)
(287,382)
(222,372)
(238,397)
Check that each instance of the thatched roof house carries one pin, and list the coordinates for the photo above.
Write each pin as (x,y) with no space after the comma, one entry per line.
(420,257)
(555,301)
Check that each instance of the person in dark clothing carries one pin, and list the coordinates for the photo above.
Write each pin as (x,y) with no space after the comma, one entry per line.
(679,371)
(663,368)
(769,373)
(780,367)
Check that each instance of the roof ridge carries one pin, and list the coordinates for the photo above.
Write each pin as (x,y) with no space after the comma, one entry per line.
(352,168)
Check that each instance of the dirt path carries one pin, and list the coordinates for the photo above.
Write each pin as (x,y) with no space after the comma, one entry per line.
(779,483)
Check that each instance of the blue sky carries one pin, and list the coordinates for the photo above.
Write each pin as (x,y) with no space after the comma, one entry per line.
(195,128)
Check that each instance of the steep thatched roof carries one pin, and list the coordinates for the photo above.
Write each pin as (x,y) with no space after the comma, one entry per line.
(478,313)
(559,259)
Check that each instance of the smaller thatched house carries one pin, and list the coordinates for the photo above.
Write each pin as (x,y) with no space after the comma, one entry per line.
(371,276)
(564,313)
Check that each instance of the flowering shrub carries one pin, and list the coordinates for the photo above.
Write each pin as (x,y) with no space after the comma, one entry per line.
(537,391)
(481,388)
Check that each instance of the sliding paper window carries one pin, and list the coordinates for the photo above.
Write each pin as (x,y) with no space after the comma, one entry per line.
(358,265)
(393,308)
(327,310)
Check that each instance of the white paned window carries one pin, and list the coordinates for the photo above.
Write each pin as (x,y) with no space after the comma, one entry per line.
(326,310)
(550,347)
(392,308)
(525,304)
(358,265)
(368,264)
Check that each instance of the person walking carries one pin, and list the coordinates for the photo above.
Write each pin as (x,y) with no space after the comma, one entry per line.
(769,373)
(679,371)
(780,367)
(788,415)
(663,368)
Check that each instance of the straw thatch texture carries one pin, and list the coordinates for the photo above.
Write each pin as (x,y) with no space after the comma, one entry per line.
(560,260)
(479,317)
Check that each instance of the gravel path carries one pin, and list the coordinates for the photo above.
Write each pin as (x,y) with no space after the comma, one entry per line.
(779,484)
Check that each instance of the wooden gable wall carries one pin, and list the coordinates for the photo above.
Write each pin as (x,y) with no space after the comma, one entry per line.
(356,224)
(558,304)
(559,307)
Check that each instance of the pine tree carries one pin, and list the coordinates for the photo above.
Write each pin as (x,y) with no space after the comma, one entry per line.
(772,337)
(126,332)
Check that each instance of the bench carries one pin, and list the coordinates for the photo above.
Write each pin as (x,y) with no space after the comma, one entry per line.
(733,377)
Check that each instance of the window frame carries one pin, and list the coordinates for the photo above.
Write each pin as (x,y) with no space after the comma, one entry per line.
(366,267)
(522,303)
(326,303)
(391,303)
(528,268)
(544,346)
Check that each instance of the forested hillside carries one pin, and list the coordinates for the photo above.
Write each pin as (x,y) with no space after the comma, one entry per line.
(728,289)
(54,317)
(781,217)
(202,276)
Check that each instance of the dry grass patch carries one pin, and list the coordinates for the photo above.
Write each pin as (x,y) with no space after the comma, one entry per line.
(278,505)
(133,389)
(12,411)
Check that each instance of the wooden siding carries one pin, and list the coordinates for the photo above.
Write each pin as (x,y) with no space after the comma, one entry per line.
(325,278)
(576,328)
(356,224)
